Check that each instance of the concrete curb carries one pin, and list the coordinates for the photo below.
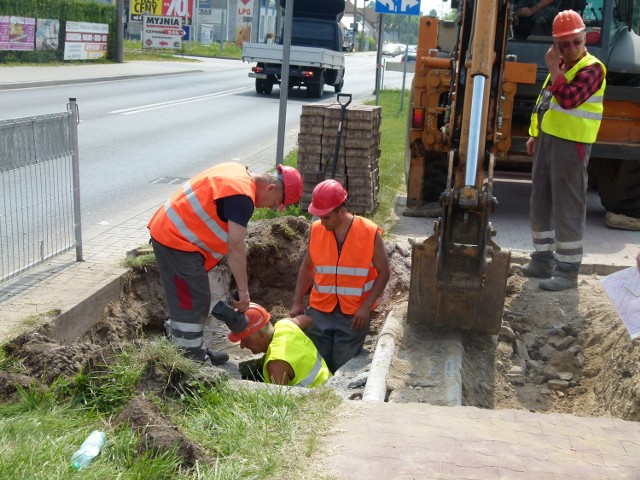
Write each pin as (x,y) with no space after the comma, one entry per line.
(49,83)
(75,321)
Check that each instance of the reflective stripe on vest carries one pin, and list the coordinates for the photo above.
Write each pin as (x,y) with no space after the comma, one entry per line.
(357,292)
(580,124)
(189,220)
(344,277)
(308,380)
(188,234)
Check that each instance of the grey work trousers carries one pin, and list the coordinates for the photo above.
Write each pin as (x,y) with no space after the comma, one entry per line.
(332,335)
(559,201)
(186,285)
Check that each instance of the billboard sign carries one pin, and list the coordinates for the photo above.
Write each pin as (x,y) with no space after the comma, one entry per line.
(166,8)
(17,33)
(162,32)
(85,41)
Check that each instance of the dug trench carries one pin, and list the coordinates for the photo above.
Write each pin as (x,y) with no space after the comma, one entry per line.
(556,352)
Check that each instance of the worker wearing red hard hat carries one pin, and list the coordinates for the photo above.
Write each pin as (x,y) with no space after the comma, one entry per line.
(564,125)
(200,224)
(290,356)
(347,269)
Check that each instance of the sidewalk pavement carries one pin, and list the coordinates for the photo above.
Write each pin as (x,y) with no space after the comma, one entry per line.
(372,440)
(42,76)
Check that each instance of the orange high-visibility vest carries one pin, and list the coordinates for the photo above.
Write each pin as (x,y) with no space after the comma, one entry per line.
(345,277)
(189,220)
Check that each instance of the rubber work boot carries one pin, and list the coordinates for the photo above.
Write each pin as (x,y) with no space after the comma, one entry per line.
(621,222)
(217,358)
(537,269)
(558,283)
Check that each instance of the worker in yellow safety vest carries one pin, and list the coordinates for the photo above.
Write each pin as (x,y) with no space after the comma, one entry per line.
(348,266)
(564,126)
(290,357)
(200,224)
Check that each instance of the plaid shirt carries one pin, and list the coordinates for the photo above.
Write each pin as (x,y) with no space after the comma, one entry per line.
(585,83)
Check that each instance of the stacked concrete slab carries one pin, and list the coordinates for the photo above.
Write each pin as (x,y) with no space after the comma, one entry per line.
(357,161)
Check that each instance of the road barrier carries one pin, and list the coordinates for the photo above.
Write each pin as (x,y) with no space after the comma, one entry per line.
(40,193)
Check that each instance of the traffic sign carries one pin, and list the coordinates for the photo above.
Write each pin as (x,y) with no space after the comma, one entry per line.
(398,7)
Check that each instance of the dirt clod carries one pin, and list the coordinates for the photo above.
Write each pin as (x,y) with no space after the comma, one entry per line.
(158,433)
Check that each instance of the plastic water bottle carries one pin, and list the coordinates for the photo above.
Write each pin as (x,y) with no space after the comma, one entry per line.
(89,450)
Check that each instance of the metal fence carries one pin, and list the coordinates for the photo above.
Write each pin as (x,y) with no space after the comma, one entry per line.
(39,190)
(394,76)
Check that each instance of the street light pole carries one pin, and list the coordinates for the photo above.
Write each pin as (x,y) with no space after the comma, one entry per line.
(119,57)
(355,23)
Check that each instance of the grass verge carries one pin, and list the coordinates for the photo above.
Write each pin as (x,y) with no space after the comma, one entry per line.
(246,433)
(133,51)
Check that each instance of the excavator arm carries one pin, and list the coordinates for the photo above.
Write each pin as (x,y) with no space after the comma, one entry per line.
(459,274)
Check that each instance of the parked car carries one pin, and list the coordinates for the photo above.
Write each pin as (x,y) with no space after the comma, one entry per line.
(410,57)
(391,49)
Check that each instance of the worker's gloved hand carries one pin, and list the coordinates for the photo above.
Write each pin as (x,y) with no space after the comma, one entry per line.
(236,321)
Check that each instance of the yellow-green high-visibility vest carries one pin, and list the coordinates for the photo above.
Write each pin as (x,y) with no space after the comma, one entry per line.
(580,124)
(291,345)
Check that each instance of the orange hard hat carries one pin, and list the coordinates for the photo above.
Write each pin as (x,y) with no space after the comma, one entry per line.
(327,196)
(257,317)
(567,22)
(292,181)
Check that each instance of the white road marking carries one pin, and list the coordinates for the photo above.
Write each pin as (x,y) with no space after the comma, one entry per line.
(181,101)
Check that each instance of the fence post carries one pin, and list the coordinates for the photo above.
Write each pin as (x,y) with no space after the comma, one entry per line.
(72,106)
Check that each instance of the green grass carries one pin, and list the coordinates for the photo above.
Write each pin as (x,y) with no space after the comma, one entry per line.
(133,51)
(264,433)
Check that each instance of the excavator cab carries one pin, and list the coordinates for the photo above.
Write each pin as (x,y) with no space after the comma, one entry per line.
(459,274)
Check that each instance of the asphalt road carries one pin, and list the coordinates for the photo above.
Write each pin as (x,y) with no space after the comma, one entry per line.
(139,138)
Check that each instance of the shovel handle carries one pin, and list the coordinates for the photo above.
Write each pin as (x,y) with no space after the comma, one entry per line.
(344,96)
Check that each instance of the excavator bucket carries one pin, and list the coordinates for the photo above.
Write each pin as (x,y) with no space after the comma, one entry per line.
(455,296)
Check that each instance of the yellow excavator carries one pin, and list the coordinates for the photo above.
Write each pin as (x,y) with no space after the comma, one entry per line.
(475,85)
(465,94)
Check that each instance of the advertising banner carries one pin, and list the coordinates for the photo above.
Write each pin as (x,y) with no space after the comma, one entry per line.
(161,32)
(47,34)
(85,41)
(166,8)
(17,33)
(245,19)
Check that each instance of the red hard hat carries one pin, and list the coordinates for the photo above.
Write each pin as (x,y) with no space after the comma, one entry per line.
(567,22)
(327,196)
(292,181)
(258,318)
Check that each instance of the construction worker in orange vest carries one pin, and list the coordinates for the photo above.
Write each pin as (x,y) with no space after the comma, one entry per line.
(347,263)
(200,224)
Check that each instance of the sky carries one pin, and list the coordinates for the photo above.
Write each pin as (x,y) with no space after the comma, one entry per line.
(427,5)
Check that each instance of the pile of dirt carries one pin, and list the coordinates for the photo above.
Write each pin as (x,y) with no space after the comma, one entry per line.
(557,352)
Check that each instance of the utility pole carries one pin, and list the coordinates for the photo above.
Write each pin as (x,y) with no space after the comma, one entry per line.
(355,23)
(119,57)
(362,38)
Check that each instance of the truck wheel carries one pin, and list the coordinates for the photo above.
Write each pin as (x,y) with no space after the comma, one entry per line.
(260,85)
(338,86)
(267,87)
(618,184)
(316,90)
